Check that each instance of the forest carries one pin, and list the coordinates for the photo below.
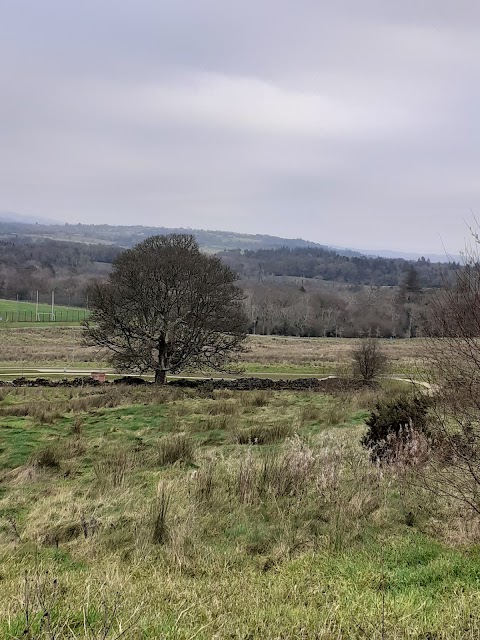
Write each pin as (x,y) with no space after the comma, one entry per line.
(300,291)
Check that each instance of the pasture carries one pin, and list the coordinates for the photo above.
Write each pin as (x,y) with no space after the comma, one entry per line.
(175,513)
(169,513)
(25,313)
(59,346)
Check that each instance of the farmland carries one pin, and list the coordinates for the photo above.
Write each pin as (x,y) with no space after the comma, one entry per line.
(146,512)
(59,346)
(146,509)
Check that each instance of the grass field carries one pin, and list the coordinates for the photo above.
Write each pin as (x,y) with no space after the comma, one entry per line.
(20,312)
(60,346)
(180,514)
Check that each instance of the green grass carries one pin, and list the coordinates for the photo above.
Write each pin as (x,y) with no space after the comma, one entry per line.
(19,313)
(301,537)
(14,306)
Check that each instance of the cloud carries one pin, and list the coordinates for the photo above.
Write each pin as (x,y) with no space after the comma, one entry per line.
(347,123)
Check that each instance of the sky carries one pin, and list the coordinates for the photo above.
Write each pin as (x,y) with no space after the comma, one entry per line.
(354,124)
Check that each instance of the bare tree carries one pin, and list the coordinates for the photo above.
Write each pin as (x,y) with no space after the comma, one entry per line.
(452,357)
(167,307)
(369,360)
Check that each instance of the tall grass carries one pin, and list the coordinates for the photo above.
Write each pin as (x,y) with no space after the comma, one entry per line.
(175,448)
(159,515)
(263,433)
(111,467)
(300,537)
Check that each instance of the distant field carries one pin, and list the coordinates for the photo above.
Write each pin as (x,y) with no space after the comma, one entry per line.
(325,355)
(52,345)
(13,311)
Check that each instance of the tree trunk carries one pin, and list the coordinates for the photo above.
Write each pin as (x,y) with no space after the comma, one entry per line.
(162,366)
(160,376)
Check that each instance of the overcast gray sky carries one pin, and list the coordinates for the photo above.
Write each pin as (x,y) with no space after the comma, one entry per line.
(348,123)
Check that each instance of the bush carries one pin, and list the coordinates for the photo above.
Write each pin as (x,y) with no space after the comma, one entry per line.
(369,361)
(393,421)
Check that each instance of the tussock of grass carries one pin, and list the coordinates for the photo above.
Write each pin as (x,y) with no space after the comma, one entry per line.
(111,467)
(47,458)
(256,398)
(175,448)
(263,433)
(335,413)
(159,515)
(302,537)
(309,413)
(213,423)
(223,408)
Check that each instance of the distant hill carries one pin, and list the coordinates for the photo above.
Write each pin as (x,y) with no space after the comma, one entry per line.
(10,216)
(408,255)
(329,265)
(212,241)
(127,236)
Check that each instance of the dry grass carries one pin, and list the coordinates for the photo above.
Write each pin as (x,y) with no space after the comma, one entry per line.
(159,515)
(47,346)
(255,399)
(111,467)
(175,448)
(263,433)
(332,353)
(223,408)
(62,347)
(301,538)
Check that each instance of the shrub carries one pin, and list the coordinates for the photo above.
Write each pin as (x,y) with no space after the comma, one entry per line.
(369,361)
(392,422)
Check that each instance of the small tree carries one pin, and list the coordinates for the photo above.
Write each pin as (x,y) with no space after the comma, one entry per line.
(452,360)
(369,360)
(167,307)
(410,287)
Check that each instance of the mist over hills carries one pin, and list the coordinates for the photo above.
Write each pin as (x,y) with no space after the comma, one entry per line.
(10,216)
(210,240)
(408,255)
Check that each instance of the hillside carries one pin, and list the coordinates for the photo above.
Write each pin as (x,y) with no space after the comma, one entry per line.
(127,236)
(302,291)
(329,265)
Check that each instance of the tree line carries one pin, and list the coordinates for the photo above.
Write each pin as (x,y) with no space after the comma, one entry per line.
(28,265)
(276,302)
(327,264)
